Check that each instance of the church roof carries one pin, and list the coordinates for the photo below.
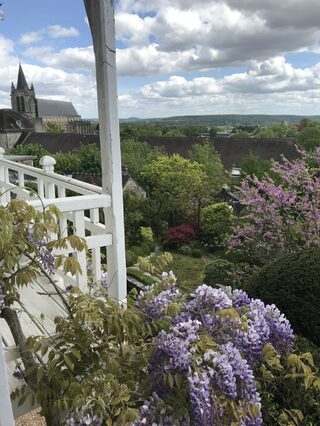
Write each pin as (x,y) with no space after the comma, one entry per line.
(50,108)
(11,121)
(21,82)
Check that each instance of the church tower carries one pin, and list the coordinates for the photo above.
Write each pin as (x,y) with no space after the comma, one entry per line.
(23,98)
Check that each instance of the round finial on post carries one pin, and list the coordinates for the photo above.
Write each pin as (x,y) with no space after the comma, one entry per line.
(2,152)
(47,163)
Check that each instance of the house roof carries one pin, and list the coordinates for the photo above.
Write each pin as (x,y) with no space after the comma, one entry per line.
(11,121)
(50,108)
(59,142)
(231,150)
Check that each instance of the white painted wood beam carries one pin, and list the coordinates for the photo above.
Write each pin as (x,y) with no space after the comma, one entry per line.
(101,20)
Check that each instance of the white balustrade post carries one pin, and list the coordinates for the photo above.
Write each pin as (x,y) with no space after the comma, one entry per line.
(48,164)
(6,415)
(101,20)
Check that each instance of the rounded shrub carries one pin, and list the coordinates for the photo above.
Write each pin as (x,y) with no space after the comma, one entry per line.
(196,253)
(145,248)
(137,250)
(292,283)
(218,272)
(185,249)
(131,258)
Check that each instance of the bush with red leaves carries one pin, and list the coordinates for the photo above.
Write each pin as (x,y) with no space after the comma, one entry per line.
(181,234)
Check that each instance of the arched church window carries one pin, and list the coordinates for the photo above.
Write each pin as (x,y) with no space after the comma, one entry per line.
(23,108)
(18,104)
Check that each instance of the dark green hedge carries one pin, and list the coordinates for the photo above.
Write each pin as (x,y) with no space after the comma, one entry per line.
(292,283)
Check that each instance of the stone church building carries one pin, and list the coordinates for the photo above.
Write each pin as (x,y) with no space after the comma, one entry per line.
(45,113)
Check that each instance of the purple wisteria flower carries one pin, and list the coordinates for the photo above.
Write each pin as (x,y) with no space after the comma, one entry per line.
(153,305)
(239,328)
(45,255)
(83,416)
(155,413)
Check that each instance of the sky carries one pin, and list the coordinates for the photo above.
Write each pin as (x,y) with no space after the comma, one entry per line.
(174,57)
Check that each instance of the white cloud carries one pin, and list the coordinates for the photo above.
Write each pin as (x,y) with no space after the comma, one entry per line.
(52,31)
(272,86)
(57,31)
(32,37)
(212,34)
(72,58)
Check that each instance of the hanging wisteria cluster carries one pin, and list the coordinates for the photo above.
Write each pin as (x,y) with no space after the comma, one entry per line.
(213,344)
(45,255)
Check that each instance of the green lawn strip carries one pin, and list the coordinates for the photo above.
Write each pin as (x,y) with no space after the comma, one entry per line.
(188,270)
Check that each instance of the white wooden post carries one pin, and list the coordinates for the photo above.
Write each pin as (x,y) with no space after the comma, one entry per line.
(6,415)
(48,164)
(101,20)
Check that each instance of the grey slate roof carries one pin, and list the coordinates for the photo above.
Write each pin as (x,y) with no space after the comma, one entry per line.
(21,82)
(50,108)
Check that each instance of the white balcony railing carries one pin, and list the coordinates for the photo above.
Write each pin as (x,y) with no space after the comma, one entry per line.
(83,207)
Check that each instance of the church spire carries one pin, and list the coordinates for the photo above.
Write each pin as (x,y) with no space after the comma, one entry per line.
(22,82)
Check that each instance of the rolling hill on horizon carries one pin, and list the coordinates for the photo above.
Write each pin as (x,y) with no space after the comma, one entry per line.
(221,119)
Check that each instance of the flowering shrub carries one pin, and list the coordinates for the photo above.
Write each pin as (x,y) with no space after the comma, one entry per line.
(216,338)
(282,213)
(173,359)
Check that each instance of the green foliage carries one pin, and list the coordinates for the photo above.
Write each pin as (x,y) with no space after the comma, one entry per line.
(135,155)
(185,250)
(97,359)
(32,149)
(175,186)
(146,233)
(253,165)
(196,253)
(215,223)
(18,219)
(145,248)
(290,390)
(292,284)
(89,158)
(52,127)
(219,272)
(309,137)
(131,258)
(156,264)
(137,250)
(188,270)
(144,277)
(212,166)
(67,163)
(134,217)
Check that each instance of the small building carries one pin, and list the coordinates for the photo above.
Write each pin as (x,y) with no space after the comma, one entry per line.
(232,198)
(128,183)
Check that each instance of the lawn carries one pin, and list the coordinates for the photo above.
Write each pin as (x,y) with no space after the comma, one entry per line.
(188,270)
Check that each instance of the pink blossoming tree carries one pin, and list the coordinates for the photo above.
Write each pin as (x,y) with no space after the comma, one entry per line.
(282,212)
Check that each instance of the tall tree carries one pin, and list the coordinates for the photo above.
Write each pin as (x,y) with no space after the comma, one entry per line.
(174,185)
(211,163)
